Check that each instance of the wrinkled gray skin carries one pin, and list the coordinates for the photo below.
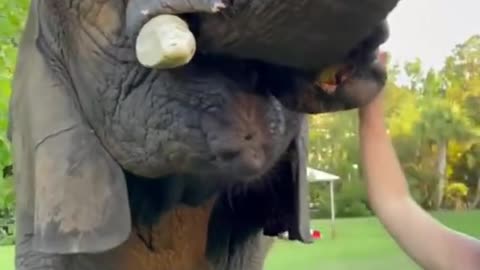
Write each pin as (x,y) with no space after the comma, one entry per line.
(102,144)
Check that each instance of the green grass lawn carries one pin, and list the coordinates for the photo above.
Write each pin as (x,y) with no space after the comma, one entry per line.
(360,244)
(6,258)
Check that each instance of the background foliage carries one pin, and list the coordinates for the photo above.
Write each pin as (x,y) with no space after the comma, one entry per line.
(434,121)
(12,17)
(432,116)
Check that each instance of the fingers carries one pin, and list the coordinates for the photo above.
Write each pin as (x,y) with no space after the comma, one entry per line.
(382,58)
(373,111)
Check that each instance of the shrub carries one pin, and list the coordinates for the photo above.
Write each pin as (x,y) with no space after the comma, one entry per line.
(350,200)
(456,195)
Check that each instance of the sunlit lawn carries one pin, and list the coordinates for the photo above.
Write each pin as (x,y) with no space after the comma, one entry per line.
(360,244)
(6,258)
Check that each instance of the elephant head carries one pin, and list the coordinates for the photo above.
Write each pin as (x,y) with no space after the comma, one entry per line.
(84,114)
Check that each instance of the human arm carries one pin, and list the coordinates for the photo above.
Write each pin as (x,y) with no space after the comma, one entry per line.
(425,240)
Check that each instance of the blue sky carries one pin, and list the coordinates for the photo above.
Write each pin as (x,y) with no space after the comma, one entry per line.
(429,29)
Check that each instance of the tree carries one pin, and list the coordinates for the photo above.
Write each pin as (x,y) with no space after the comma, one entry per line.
(12,16)
(462,69)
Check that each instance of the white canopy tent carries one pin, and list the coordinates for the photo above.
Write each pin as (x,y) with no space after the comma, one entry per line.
(315,176)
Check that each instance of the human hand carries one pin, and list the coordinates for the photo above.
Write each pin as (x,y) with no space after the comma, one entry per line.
(373,111)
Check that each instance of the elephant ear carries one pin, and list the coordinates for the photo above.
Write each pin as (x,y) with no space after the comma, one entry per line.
(278,202)
(288,192)
(66,180)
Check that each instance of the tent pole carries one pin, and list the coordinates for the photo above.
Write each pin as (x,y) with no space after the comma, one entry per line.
(332,210)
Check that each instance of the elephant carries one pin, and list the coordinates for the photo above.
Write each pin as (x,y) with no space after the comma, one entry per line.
(119,167)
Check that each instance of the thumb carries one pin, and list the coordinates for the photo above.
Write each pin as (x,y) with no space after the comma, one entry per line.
(382,58)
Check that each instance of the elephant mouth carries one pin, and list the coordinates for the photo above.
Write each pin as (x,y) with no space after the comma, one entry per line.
(354,85)
(333,77)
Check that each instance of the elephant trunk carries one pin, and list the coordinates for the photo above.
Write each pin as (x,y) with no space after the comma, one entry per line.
(301,34)
(307,34)
(321,34)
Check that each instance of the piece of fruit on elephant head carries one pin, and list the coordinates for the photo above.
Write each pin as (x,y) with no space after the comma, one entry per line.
(165,42)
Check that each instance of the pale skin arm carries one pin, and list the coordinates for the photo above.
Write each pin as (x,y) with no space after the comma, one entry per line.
(432,245)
